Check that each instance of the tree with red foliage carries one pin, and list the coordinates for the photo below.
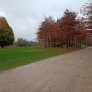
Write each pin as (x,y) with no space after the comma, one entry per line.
(67,24)
(67,31)
(47,33)
(87,12)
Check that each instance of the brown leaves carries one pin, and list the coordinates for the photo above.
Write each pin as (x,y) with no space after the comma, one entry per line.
(62,32)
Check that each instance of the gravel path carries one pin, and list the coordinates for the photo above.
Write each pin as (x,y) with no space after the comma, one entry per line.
(71,72)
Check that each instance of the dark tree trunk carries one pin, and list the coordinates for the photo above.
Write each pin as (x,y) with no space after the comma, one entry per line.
(2,46)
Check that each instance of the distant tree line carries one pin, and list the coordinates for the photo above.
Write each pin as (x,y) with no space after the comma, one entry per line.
(68,31)
(24,43)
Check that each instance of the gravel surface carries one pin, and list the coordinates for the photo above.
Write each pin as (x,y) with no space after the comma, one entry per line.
(70,72)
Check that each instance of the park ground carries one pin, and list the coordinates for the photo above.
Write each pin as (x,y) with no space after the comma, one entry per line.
(71,72)
(14,57)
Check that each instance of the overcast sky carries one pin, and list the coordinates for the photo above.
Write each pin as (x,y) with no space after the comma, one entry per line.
(24,16)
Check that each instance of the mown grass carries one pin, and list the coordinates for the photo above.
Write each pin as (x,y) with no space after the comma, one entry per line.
(13,57)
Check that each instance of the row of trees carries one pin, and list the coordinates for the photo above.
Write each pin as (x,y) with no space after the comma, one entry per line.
(68,31)
(24,43)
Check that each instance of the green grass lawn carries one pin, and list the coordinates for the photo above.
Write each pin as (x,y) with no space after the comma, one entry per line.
(13,57)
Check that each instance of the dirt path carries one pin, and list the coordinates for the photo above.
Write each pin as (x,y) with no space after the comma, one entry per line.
(65,73)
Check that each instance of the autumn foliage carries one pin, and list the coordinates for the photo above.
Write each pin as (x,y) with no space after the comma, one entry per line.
(6,33)
(87,12)
(68,31)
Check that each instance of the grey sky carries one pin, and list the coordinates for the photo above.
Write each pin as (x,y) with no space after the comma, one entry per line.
(24,16)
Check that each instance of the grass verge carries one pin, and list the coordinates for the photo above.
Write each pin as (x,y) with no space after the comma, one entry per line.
(14,57)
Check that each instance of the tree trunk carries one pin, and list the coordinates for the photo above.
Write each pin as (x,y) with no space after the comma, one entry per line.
(2,46)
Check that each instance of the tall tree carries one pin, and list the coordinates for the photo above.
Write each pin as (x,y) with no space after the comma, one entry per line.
(6,33)
(67,24)
(47,32)
(87,12)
